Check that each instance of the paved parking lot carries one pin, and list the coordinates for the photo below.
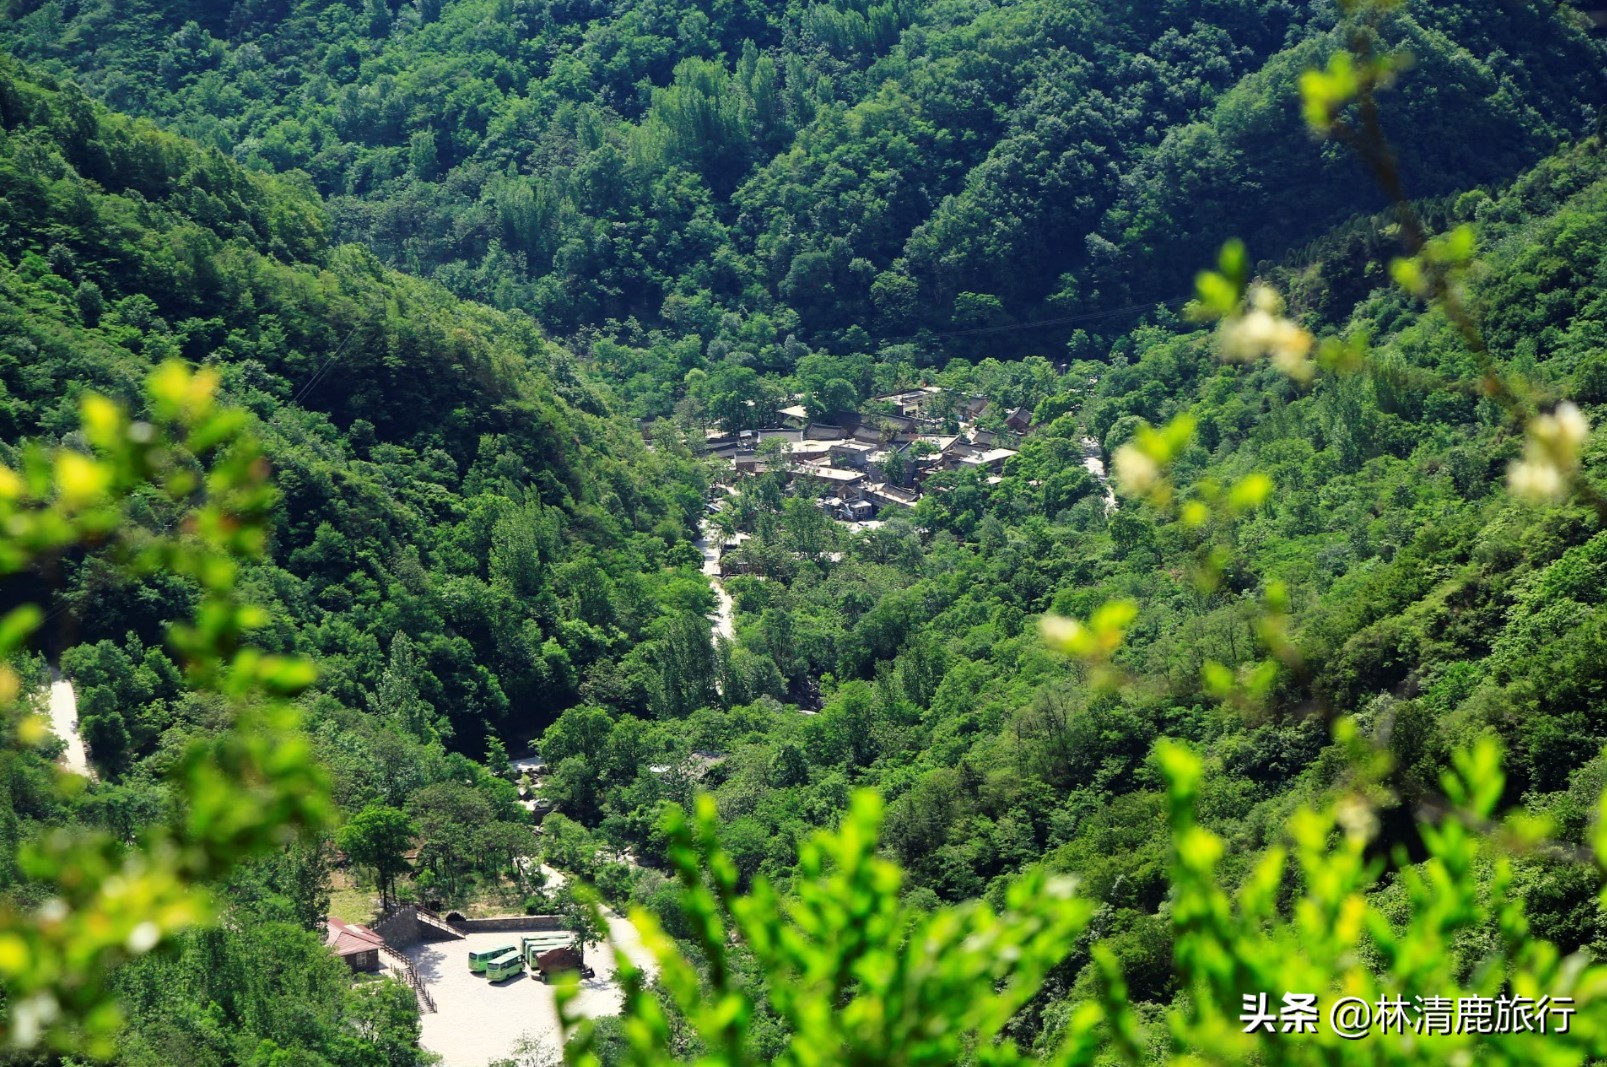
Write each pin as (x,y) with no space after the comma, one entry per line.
(476,1021)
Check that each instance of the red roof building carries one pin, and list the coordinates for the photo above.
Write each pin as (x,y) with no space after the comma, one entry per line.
(357,945)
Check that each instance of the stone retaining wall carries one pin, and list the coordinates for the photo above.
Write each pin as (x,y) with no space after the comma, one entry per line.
(400,929)
(510,923)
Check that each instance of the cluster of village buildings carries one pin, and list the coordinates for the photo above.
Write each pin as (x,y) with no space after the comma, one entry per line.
(859,466)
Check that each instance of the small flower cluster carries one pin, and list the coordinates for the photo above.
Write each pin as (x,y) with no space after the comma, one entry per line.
(1550,454)
(1096,640)
(1135,471)
(1263,330)
(1141,465)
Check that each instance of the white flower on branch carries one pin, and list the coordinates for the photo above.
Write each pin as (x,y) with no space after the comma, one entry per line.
(1136,472)
(1550,455)
(1262,330)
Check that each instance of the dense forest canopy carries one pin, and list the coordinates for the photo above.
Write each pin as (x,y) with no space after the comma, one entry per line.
(446,472)
(483,276)
(847,178)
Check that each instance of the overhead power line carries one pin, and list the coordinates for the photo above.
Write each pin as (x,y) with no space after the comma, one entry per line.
(1035,324)
(1066,320)
(318,374)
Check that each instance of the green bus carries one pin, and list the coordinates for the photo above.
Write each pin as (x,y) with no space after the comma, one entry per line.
(478,960)
(506,965)
(533,945)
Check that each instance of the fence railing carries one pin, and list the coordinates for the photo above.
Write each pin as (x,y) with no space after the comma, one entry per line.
(411,977)
(421,915)
(429,918)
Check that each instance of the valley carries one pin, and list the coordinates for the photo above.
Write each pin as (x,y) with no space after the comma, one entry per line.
(997,531)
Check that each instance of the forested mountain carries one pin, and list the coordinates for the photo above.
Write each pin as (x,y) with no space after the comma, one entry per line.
(1425,601)
(467,534)
(453,257)
(446,472)
(769,179)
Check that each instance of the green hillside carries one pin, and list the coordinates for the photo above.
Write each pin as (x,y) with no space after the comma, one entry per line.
(843,173)
(445,471)
(498,285)
(466,533)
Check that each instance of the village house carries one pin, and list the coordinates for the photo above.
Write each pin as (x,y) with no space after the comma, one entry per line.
(844,483)
(992,459)
(883,495)
(904,431)
(729,560)
(911,404)
(896,464)
(357,945)
(807,451)
(851,454)
(973,407)
(836,507)
(860,511)
(795,417)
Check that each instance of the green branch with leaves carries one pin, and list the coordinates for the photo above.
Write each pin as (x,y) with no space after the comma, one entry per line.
(248,788)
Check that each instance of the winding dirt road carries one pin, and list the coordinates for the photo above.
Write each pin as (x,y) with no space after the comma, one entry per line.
(723,621)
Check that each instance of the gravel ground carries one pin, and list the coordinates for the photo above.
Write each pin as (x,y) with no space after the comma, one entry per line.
(477,1022)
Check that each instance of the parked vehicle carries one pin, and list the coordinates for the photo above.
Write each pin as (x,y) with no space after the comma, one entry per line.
(533,945)
(479,960)
(505,966)
(557,960)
